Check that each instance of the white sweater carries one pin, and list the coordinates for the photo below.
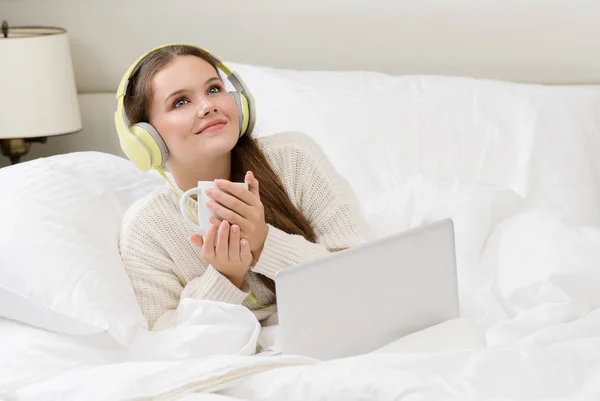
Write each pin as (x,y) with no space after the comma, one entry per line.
(165,267)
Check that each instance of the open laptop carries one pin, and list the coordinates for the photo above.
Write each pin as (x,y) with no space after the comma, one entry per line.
(356,301)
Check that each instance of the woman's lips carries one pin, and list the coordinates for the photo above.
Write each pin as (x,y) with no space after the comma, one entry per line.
(213,128)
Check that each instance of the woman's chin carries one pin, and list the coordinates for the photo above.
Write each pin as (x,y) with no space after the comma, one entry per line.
(216,142)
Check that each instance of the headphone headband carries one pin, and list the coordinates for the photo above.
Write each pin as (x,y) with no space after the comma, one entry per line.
(142,144)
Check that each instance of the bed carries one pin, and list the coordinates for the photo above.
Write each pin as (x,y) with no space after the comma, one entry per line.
(512,159)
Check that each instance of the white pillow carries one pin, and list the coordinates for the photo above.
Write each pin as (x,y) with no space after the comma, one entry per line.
(565,167)
(59,265)
(379,130)
(377,127)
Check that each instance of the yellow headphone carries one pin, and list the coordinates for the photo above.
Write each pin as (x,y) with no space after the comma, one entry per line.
(142,143)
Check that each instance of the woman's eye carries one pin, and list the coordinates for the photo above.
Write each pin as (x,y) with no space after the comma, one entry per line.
(179,102)
(214,89)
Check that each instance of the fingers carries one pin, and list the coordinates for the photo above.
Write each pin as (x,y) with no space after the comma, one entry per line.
(197,240)
(208,249)
(229,201)
(227,244)
(245,253)
(252,184)
(214,220)
(224,245)
(227,214)
(222,248)
(234,243)
(238,191)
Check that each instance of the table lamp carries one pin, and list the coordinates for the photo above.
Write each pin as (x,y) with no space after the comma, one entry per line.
(38,97)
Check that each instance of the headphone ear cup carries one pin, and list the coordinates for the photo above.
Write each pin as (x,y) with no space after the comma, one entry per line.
(242,107)
(157,152)
(135,151)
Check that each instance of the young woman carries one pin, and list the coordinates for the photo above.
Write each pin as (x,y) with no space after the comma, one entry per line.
(297,207)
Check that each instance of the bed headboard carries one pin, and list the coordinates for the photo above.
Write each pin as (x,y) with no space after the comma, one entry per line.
(541,41)
(534,41)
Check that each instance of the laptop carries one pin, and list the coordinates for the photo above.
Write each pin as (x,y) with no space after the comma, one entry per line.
(358,300)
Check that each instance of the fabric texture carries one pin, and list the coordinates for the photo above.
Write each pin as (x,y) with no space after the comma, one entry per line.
(165,267)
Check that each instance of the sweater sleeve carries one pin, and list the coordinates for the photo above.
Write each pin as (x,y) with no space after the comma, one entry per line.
(158,288)
(324,197)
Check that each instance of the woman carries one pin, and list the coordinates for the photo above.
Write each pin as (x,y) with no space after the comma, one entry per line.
(296,209)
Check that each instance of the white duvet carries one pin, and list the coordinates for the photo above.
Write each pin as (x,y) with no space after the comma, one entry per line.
(545,345)
(524,197)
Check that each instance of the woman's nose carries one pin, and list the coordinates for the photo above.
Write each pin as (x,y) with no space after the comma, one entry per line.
(206,107)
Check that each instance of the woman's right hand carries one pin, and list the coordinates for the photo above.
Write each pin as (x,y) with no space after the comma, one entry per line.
(229,254)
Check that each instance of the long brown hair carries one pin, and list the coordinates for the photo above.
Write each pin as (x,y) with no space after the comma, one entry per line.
(245,156)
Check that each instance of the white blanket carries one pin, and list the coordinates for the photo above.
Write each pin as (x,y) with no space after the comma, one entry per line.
(568,370)
(548,344)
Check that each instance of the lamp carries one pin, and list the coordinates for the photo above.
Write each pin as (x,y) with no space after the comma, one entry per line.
(38,97)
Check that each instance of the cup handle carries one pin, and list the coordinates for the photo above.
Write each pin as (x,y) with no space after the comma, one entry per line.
(185,210)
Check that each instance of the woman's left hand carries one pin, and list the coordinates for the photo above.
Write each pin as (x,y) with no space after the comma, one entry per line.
(242,207)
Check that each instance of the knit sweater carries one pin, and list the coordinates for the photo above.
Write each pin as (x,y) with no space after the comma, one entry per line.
(164,266)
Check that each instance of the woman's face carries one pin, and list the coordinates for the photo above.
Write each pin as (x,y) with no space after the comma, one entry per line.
(192,111)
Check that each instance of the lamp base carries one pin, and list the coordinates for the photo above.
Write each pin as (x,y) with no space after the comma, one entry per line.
(15,148)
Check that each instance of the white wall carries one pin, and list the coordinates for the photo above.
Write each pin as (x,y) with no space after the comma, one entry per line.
(550,41)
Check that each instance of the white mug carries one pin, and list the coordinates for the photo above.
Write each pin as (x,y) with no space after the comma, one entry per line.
(203,212)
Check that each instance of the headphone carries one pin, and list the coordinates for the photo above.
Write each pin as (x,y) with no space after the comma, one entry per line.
(142,143)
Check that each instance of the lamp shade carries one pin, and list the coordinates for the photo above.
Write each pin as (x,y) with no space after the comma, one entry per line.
(38,97)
